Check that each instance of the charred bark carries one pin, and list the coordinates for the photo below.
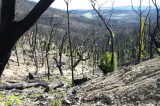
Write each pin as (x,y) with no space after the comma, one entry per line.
(11,31)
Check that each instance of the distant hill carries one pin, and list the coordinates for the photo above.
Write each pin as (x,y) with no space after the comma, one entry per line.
(80,19)
(130,7)
(24,6)
(119,13)
(78,25)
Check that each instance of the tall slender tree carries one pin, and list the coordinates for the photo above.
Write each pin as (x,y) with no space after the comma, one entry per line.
(108,28)
(154,30)
(69,38)
(142,23)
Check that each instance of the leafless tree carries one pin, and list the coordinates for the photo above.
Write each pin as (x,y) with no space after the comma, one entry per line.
(49,44)
(59,61)
(142,23)
(154,30)
(34,47)
(107,26)
(69,38)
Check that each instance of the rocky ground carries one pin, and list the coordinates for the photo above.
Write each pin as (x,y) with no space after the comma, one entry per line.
(133,85)
(17,89)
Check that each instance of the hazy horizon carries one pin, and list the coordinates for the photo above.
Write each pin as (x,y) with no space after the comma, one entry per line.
(85,4)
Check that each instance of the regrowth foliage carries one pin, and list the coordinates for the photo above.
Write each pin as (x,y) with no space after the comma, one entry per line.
(105,63)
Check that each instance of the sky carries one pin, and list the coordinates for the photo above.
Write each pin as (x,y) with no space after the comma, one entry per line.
(85,4)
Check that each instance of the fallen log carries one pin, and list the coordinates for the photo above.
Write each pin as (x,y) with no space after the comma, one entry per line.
(21,86)
(25,85)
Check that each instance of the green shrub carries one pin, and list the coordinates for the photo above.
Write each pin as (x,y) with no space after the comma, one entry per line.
(105,63)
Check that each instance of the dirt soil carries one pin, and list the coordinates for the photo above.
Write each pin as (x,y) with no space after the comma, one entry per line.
(133,85)
(15,74)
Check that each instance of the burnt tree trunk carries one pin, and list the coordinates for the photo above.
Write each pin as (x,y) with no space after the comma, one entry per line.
(11,31)
(151,48)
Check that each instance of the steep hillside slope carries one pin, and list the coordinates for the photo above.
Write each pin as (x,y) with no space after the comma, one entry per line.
(138,84)
(79,26)
(23,7)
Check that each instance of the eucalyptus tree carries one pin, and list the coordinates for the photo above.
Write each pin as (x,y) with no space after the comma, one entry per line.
(69,38)
(154,31)
(142,26)
(107,26)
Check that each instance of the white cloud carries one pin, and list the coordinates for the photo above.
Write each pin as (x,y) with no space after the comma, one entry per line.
(85,4)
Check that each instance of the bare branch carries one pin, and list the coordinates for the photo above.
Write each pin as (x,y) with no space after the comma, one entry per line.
(67,1)
(80,59)
(157,18)
(133,8)
(31,18)
(148,12)
(111,10)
